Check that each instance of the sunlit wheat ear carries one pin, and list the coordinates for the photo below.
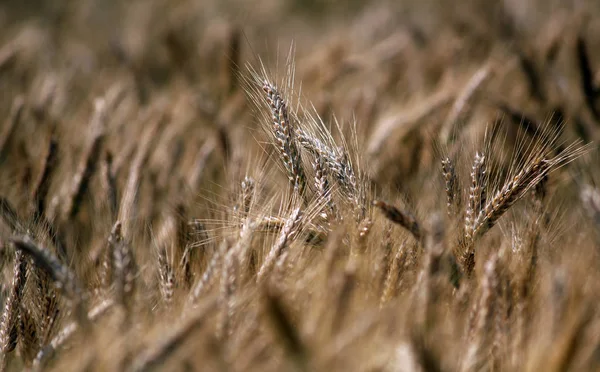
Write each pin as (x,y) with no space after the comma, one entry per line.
(324,189)
(452,187)
(286,233)
(476,194)
(539,161)
(61,275)
(66,332)
(8,327)
(284,135)
(123,268)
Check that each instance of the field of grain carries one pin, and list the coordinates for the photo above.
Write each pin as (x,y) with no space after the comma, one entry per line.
(319,185)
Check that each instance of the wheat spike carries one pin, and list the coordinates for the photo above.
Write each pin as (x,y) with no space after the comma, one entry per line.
(9,326)
(284,133)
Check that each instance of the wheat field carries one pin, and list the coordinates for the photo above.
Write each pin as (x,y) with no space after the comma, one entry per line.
(320,185)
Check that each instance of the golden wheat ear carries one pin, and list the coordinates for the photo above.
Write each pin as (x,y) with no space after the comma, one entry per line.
(482,213)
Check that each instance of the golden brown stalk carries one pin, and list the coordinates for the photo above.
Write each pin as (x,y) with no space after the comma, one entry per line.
(42,185)
(481,329)
(429,286)
(344,297)
(200,163)
(453,196)
(40,194)
(227,291)
(196,247)
(202,285)
(127,207)
(565,348)
(402,218)
(87,167)
(462,101)
(109,183)
(66,332)
(10,316)
(10,124)
(284,134)
(9,216)
(155,356)
(286,331)
(274,224)
(234,265)
(393,273)
(286,234)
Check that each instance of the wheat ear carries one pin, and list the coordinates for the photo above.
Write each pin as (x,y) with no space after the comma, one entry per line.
(452,187)
(285,136)
(8,327)
(286,233)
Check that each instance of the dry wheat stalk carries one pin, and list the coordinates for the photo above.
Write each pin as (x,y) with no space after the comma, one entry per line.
(480,331)
(192,252)
(127,208)
(42,185)
(462,101)
(11,123)
(40,194)
(285,330)
(109,183)
(393,274)
(207,277)
(66,332)
(86,169)
(9,216)
(233,263)
(400,217)
(155,356)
